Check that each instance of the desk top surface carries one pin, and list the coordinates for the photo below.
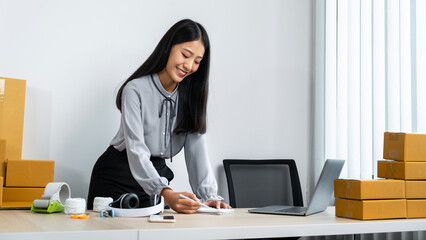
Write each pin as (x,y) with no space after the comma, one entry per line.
(241,222)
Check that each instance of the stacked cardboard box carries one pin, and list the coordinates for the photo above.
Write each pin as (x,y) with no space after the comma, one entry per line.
(21,181)
(370,199)
(401,195)
(407,161)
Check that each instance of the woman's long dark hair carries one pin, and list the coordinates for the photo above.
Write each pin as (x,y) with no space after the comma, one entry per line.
(193,90)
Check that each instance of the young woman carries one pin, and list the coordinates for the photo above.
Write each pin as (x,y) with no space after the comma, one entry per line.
(163,109)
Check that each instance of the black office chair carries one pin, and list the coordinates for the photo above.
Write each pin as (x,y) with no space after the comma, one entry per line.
(260,183)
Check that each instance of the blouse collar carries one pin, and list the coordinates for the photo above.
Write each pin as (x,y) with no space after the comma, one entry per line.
(160,87)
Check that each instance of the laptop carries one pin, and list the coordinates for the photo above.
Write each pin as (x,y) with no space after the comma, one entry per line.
(321,197)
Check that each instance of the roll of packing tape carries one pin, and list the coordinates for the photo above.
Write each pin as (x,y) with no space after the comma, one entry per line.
(57,191)
(41,203)
(75,206)
(139,212)
(101,203)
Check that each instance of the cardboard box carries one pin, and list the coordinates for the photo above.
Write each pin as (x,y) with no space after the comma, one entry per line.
(371,209)
(401,170)
(29,173)
(2,157)
(408,147)
(12,104)
(2,170)
(20,197)
(369,189)
(3,150)
(1,191)
(416,208)
(415,189)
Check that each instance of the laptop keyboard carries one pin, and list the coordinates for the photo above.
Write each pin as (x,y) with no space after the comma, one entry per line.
(293,209)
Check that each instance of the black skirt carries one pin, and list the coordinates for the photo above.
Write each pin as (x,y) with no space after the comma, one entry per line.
(111,177)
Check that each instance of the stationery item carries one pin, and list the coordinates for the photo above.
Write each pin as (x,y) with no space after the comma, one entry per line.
(54,197)
(101,203)
(106,213)
(59,191)
(46,206)
(320,198)
(206,209)
(126,200)
(128,203)
(202,204)
(75,206)
(218,211)
(80,216)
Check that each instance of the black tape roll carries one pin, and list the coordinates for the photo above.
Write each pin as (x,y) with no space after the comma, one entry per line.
(127,200)
(130,200)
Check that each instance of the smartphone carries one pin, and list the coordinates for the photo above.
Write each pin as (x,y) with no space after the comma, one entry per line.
(162,218)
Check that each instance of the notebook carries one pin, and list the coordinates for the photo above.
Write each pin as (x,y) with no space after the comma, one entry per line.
(320,198)
(206,209)
(212,210)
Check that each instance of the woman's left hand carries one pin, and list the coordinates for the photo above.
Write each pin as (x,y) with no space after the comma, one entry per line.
(217,204)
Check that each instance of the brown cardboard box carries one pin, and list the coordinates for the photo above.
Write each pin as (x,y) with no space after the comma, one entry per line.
(12,104)
(29,173)
(2,170)
(20,197)
(3,150)
(2,157)
(1,191)
(405,147)
(369,189)
(401,170)
(371,209)
(415,189)
(416,208)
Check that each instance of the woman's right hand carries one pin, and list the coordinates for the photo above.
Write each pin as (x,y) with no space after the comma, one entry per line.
(179,204)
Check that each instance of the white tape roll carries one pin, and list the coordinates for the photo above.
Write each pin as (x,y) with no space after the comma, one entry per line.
(139,212)
(101,203)
(57,191)
(75,206)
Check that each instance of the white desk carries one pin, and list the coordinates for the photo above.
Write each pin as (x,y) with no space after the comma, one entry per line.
(18,224)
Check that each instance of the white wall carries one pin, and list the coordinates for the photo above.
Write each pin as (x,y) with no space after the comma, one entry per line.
(75,54)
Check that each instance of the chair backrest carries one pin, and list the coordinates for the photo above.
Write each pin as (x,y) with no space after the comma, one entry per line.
(259,183)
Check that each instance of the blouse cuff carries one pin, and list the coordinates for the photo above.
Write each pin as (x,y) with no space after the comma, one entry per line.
(211,197)
(157,190)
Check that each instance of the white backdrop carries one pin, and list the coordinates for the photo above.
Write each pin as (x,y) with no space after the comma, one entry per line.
(75,54)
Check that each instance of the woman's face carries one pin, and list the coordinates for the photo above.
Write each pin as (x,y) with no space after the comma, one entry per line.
(184,59)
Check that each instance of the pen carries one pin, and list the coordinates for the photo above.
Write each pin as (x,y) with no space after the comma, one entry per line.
(202,204)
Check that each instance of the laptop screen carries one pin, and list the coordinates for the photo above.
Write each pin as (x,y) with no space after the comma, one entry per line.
(325,186)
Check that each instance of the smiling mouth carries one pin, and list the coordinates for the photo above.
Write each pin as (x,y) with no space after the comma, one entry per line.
(181,73)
